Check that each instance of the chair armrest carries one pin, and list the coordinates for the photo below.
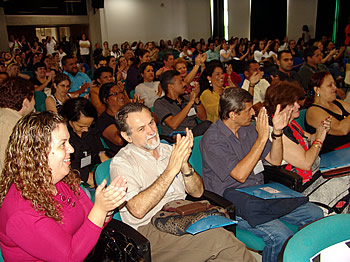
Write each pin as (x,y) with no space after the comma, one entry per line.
(284,177)
(218,200)
(122,234)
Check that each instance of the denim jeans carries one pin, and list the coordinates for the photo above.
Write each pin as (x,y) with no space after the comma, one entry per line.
(275,232)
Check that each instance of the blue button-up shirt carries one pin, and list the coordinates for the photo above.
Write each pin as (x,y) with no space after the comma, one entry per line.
(77,81)
(222,151)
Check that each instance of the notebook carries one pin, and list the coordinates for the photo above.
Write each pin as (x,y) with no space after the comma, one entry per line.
(335,160)
(208,223)
(270,191)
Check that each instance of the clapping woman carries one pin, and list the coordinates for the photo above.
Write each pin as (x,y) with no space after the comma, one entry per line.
(44,215)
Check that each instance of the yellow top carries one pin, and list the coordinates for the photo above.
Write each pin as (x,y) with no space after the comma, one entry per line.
(210,101)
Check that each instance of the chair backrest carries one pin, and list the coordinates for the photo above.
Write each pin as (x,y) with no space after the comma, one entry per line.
(242,77)
(317,236)
(132,93)
(40,98)
(301,119)
(102,172)
(196,156)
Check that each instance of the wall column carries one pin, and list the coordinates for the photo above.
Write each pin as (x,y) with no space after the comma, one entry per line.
(4,44)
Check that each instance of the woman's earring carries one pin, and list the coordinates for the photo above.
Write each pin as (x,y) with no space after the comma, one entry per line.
(318,94)
(210,83)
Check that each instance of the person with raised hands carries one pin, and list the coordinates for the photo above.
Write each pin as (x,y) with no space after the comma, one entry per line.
(233,151)
(44,214)
(156,174)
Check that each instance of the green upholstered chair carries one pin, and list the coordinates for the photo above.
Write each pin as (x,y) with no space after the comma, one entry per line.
(40,98)
(301,119)
(317,236)
(132,93)
(102,172)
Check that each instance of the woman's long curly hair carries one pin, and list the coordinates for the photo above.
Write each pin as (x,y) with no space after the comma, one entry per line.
(26,163)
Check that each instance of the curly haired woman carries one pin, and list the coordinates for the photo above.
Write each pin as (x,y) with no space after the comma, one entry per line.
(44,215)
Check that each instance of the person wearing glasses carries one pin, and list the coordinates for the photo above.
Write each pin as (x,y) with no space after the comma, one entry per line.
(113,96)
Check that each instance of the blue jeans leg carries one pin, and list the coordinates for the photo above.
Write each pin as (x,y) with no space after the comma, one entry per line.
(275,232)
(303,215)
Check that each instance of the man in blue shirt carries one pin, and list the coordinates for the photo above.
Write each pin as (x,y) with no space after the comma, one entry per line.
(233,150)
(211,53)
(80,82)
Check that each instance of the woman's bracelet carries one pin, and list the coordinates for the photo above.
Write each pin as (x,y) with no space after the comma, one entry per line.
(317,143)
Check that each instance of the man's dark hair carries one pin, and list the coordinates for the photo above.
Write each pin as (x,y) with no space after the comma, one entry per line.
(309,52)
(74,108)
(99,58)
(167,78)
(166,56)
(280,53)
(65,58)
(246,65)
(123,114)
(105,90)
(13,91)
(101,70)
(38,65)
(233,99)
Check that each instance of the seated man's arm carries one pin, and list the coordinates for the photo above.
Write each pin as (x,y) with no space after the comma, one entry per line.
(112,134)
(193,181)
(244,167)
(144,201)
(174,121)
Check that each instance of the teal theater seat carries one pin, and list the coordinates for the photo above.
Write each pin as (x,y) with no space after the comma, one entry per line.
(317,236)
(40,98)
(102,172)
(301,119)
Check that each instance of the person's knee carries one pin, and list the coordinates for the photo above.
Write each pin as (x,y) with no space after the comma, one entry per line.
(315,212)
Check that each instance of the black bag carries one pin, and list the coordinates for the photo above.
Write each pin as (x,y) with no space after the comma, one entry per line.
(257,210)
(120,242)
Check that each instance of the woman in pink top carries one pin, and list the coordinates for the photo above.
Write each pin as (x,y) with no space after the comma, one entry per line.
(44,215)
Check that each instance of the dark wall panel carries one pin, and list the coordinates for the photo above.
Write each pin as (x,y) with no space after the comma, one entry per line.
(268,19)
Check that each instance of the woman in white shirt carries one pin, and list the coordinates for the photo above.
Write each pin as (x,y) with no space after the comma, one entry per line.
(226,54)
(84,45)
(148,90)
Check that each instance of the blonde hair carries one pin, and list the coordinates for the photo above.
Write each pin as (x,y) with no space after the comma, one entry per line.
(26,163)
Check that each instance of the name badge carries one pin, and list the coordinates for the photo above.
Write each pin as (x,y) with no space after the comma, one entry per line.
(259,167)
(85,161)
(192,112)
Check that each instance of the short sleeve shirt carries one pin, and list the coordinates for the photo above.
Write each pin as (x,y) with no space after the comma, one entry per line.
(165,107)
(222,151)
(141,169)
(77,81)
